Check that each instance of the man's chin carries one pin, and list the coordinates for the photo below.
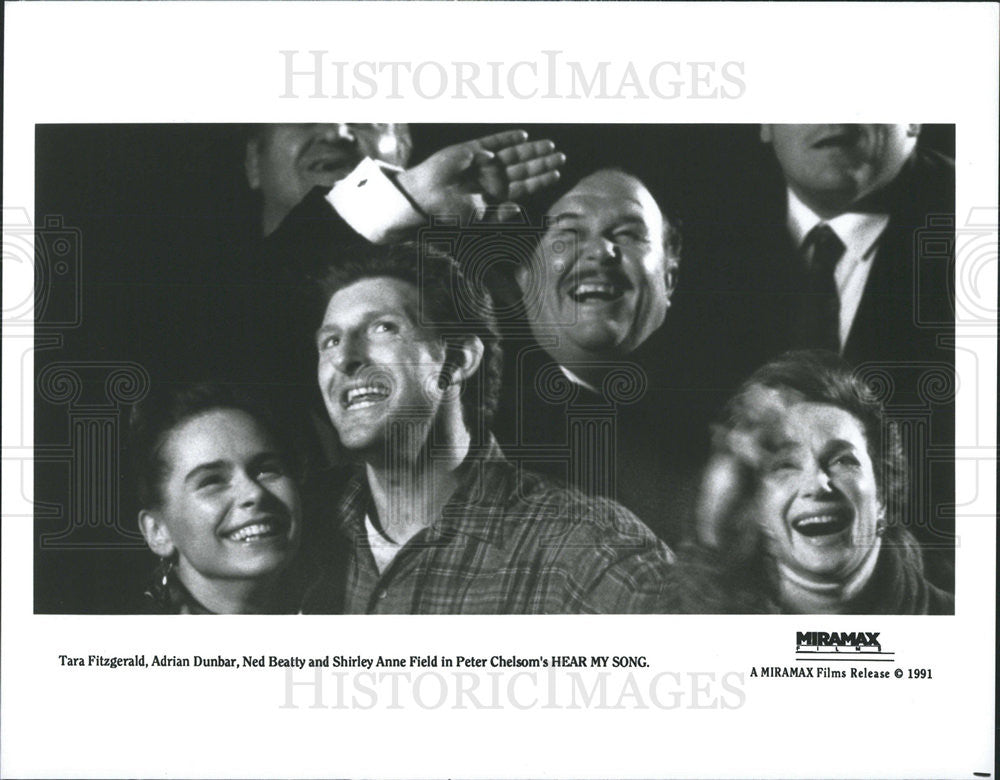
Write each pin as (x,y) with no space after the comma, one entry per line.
(358,440)
(602,338)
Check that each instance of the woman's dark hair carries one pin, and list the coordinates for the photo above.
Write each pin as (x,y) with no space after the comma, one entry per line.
(167,407)
(450,305)
(822,377)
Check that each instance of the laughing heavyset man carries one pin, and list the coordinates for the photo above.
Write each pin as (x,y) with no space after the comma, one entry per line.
(434,519)
(583,400)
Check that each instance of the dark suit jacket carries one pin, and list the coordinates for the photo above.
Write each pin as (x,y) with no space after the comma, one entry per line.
(639,441)
(266,315)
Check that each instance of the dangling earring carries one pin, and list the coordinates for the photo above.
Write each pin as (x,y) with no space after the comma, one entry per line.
(164,569)
(880,524)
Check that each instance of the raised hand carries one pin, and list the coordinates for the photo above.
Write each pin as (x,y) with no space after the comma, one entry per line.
(726,512)
(461,180)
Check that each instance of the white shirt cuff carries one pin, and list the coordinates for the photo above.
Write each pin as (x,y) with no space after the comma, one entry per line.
(372,204)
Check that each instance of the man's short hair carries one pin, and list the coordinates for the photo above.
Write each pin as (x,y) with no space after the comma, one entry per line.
(450,306)
(672,241)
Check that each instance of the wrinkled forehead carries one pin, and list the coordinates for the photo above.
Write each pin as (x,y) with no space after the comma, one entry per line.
(817,425)
(372,294)
(608,192)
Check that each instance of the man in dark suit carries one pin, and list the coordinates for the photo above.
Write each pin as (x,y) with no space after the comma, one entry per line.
(856,197)
(284,162)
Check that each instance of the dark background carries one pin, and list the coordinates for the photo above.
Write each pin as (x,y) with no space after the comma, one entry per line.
(146,225)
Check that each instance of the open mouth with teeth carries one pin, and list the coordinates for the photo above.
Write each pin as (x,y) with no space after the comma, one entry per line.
(364,396)
(603,291)
(262,529)
(822,525)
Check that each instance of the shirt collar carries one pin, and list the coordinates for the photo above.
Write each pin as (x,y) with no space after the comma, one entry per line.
(857,230)
(484,475)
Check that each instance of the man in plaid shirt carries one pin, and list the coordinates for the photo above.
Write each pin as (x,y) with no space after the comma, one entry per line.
(433,518)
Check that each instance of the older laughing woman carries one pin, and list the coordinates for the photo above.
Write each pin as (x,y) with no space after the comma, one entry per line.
(799,509)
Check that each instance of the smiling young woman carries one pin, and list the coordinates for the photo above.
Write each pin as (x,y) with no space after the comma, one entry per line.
(220,502)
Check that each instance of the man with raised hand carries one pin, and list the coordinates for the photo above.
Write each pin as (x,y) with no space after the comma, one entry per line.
(348,209)
(379,203)
(283,162)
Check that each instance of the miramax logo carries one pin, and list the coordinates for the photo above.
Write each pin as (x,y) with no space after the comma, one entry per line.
(844,645)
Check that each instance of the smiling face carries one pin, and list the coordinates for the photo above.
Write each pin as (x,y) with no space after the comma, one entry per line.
(377,363)
(819,498)
(831,167)
(284,162)
(229,508)
(599,278)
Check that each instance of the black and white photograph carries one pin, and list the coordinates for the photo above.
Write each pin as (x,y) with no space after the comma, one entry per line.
(600,349)
(631,389)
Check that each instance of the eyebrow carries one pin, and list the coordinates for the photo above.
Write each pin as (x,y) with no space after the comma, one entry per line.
(789,445)
(197,470)
(266,455)
(573,215)
(632,219)
(323,330)
(215,465)
(839,444)
(564,216)
(405,313)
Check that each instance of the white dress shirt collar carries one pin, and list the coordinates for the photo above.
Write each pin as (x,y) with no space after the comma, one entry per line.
(858,231)
(860,234)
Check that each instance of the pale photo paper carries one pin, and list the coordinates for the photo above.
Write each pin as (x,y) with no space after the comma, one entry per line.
(124,177)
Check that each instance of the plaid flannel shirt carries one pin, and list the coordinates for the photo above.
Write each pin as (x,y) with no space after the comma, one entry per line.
(507,541)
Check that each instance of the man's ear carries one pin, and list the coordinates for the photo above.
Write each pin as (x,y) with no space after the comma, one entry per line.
(466,356)
(671,279)
(156,533)
(913,130)
(251,164)
(765,134)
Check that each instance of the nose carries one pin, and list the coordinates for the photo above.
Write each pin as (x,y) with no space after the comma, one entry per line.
(602,250)
(817,481)
(250,491)
(350,355)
